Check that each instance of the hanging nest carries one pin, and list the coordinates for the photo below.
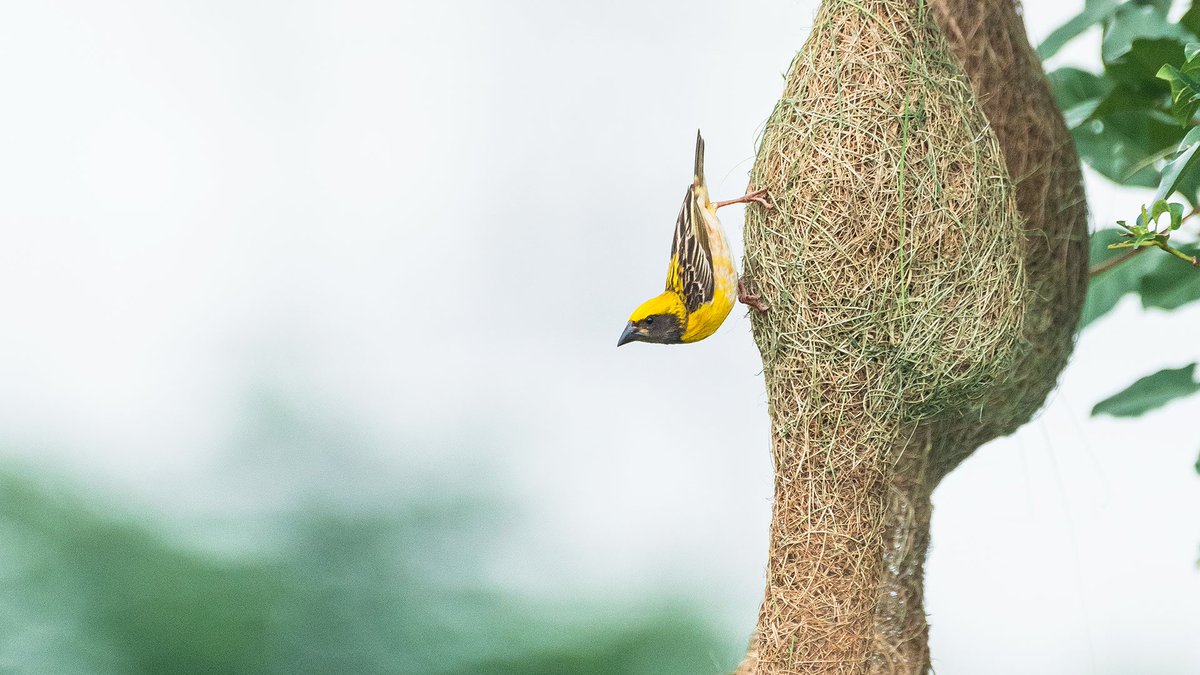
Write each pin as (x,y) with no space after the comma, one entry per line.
(989,38)
(893,266)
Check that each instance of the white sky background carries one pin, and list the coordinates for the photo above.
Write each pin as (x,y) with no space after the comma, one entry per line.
(438,216)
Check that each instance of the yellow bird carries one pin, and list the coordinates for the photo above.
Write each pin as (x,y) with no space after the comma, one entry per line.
(702,282)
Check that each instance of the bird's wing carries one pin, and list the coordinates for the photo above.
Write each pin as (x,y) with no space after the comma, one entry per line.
(691,271)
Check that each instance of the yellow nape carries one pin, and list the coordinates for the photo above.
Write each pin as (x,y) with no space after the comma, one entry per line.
(667,303)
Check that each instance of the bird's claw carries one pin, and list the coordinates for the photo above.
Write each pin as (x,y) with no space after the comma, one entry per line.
(760,196)
(750,299)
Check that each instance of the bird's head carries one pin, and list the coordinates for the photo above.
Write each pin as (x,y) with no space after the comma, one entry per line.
(660,319)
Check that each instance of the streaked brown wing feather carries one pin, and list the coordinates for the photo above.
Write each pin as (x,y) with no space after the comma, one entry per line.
(691,251)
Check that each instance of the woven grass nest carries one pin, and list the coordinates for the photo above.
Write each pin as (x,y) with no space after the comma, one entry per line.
(917,304)
(894,248)
(889,186)
(988,37)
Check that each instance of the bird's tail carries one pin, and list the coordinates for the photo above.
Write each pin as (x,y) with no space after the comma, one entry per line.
(698,171)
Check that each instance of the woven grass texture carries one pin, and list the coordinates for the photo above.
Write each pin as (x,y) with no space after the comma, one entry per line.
(989,38)
(893,263)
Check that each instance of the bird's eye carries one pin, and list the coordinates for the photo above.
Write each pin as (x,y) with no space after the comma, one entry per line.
(649,321)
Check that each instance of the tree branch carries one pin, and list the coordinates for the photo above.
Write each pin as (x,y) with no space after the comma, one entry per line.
(1113,262)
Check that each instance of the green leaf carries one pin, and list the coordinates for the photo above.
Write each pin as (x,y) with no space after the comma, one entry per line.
(1181,168)
(1106,289)
(1176,215)
(1138,40)
(1185,93)
(1093,13)
(1158,208)
(1073,86)
(1150,392)
(1127,147)
(1076,116)
(1079,93)
(1191,88)
(1189,185)
(1170,283)
(1139,237)
(1132,22)
(1191,19)
(1137,69)
(1185,89)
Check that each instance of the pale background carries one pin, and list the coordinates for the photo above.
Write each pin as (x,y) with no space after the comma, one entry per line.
(431,220)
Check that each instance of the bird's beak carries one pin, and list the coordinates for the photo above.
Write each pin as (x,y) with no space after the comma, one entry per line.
(630,334)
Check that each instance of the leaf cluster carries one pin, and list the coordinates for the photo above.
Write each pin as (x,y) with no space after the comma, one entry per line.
(1135,122)
(1145,231)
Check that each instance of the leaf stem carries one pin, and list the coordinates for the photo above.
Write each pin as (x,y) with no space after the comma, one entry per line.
(1189,259)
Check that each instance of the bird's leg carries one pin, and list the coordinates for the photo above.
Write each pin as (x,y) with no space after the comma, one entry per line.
(747,298)
(759,196)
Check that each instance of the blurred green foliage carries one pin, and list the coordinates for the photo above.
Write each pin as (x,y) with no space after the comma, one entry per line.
(396,582)
(1150,392)
(1134,122)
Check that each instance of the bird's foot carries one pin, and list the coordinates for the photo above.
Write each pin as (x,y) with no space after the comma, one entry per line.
(751,299)
(758,196)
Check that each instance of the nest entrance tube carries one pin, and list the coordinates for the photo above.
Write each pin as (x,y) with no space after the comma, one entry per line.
(894,264)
